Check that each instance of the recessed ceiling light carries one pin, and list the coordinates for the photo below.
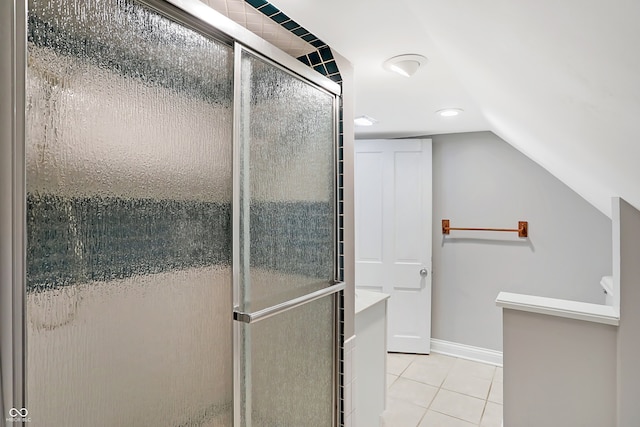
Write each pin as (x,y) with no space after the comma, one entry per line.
(449,112)
(405,65)
(364,121)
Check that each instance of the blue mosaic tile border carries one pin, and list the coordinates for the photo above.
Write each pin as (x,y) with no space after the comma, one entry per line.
(341,328)
(321,60)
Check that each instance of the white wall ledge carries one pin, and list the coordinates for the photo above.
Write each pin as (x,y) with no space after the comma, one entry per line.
(366,299)
(588,312)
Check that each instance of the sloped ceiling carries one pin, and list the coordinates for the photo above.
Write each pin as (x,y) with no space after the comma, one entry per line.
(560,81)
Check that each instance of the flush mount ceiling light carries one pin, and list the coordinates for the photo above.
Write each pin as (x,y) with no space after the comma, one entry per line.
(449,112)
(364,121)
(405,65)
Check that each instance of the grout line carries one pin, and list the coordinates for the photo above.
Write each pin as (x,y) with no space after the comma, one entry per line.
(448,372)
(483,412)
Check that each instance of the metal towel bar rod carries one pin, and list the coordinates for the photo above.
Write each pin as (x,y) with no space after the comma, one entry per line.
(522,230)
(285,306)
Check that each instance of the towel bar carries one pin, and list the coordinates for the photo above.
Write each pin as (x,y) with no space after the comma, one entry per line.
(522,230)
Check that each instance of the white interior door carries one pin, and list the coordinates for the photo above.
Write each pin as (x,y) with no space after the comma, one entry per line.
(393,234)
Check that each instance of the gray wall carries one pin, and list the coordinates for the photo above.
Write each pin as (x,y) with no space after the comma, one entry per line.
(562,379)
(479,180)
(627,247)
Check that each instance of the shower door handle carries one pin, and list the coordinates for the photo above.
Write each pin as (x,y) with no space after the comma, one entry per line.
(256,316)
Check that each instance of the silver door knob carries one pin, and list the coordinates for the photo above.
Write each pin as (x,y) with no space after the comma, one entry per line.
(424,272)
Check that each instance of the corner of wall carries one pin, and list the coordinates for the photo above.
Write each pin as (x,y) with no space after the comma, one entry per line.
(615,253)
(626,220)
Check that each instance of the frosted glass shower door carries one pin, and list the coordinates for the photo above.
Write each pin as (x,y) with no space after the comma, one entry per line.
(285,293)
(129,191)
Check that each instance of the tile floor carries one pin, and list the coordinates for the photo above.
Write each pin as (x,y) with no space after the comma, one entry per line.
(441,391)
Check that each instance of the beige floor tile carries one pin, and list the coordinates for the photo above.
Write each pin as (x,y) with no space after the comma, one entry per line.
(412,392)
(495,395)
(398,362)
(391,379)
(458,405)
(412,386)
(492,416)
(474,369)
(432,374)
(400,413)
(436,419)
(407,356)
(471,386)
(435,359)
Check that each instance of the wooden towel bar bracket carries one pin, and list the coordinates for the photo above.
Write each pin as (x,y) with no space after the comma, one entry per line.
(522,230)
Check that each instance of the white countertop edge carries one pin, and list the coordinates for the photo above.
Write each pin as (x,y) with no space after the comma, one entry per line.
(366,299)
(597,313)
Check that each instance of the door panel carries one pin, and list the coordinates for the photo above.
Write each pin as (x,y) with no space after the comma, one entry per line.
(287,182)
(407,208)
(398,185)
(128,157)
(286,248)
(289,366)
(370,252)
(408,255)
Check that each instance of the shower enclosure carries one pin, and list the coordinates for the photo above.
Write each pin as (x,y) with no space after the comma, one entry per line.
(168,221)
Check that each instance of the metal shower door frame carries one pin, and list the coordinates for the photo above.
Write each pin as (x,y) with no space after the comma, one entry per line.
(334,288)
(13,69)
(13,48)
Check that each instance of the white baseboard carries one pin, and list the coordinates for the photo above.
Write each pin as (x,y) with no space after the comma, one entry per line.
(477,354)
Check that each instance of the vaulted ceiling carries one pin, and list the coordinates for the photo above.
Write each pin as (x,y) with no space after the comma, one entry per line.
(560,81)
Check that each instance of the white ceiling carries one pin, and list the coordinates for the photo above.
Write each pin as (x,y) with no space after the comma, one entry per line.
(560,81)
(369,32)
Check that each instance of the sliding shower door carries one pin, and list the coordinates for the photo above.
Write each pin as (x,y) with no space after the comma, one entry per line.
(173,181)
(285,241)
(129,191)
